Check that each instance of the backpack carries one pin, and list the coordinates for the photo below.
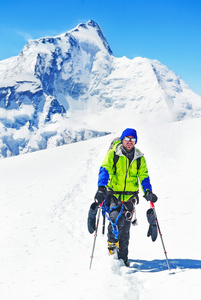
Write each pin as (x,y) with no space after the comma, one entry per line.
(116,157)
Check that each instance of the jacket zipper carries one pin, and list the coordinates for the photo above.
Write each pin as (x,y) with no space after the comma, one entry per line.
(125,180)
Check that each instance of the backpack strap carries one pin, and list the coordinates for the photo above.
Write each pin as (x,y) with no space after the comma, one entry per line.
(138,163)
(116,157)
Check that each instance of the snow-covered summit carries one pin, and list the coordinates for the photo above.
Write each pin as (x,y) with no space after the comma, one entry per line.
(61,89)
(81,33)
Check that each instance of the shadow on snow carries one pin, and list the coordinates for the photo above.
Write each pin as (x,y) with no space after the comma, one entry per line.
(161,265)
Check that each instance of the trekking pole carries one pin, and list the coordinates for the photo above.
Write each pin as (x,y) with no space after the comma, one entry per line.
(152,206)
(95,235)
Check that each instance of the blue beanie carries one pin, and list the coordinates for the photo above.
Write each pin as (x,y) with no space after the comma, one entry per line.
(129,132)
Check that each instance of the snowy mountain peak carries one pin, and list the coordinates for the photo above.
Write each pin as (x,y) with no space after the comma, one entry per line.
(101,35)
(89,32)
(64,89)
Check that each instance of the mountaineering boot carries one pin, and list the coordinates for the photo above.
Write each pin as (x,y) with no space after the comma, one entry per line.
(127,262)
(113,247)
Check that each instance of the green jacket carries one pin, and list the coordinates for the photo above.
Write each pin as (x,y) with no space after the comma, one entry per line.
(127,177)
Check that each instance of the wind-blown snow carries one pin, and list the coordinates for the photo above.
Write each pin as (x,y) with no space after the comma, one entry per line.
(45,246)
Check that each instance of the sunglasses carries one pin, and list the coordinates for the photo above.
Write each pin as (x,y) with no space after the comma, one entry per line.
(127,139)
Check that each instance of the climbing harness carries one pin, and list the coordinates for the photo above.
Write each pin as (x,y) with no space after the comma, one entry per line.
(106,211)
(124,210)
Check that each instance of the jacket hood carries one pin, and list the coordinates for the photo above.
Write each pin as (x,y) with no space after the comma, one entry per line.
(118,149)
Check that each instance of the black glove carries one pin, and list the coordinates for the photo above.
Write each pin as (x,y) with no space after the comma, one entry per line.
(91,221)
(149,196)
(153,232)
(101,194)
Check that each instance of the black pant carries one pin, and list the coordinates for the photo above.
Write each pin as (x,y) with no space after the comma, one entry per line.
(124,230)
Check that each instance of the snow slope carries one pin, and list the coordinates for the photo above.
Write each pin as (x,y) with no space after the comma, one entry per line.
(45,246)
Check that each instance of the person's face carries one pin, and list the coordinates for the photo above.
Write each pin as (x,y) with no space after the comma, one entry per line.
(127,143)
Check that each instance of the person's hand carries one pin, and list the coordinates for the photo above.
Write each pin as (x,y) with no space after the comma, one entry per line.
(149,196)
(101,194)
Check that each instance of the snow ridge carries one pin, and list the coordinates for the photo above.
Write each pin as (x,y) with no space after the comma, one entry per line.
(72,82)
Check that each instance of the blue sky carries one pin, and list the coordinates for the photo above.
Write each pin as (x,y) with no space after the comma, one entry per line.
(166,30)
